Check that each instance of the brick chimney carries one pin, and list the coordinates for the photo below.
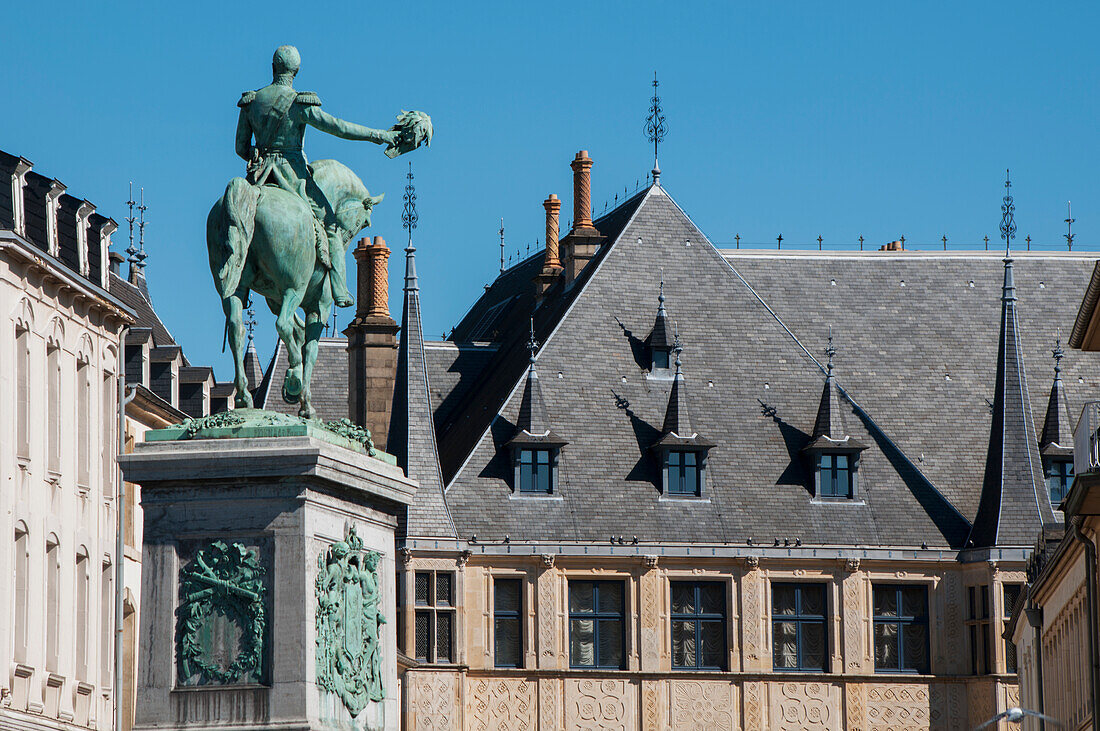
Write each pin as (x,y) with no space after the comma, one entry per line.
(551,265)
(372,342)
(581,244)
(893,246)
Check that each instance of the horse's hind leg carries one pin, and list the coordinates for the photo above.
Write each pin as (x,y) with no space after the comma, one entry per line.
(314,327)
(287,329)
(233,306)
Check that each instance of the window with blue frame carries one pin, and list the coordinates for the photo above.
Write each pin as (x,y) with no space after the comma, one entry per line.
(536,470)
(835,475)
(596,624)
(1059,479)
(901,628)
(698,625)
(507,627)
(798,627)
(683,472)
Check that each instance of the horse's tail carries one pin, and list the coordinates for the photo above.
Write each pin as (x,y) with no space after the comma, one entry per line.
(229,243)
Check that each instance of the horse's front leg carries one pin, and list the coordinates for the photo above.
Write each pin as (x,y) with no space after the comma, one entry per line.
(286,327)
(233,306)
(314,328)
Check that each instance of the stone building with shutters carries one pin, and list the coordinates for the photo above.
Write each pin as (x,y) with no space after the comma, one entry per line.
(666,485)
(72,325)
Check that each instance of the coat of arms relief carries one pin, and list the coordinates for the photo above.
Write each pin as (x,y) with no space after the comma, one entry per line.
(349,653)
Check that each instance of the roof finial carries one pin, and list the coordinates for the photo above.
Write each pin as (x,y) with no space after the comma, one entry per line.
(501,232)
(141,232)
(250,323)
(655,128)
(131,250)
(830,352)
(1070,220)
(1008,223)
(410,216)
(532,344)
(1058,354)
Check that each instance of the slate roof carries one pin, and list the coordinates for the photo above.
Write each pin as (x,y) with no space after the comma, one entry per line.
(919,337)
(133,297)
(329,384)
(1057,435)
(918,334)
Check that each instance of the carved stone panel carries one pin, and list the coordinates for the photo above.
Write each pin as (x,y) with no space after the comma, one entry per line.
(752,622)
(898,707)
(547,619)
(980,702)
(601,705)
(948,705)
(703,705)
(754,706)
(855,707)
(854,613)
(549,704)
(950,659)
(804,707)
(433,700)
(651,611)
(502,704)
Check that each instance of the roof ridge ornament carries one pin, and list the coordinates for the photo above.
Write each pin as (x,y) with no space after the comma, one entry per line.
(1058,353)
(830,352)
(655,128)
(532,344)
(410,217)
(1008,222)
(1070,220)
(141,255)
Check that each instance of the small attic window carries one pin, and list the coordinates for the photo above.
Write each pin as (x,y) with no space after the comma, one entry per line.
(836,475)
(683,471)
(1059,479)
(536,470)
(660,359)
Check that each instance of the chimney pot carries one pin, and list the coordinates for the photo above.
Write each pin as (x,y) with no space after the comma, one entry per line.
(582,190)
(552,206)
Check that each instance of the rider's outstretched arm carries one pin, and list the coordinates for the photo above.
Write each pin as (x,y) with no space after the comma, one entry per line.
(322,120)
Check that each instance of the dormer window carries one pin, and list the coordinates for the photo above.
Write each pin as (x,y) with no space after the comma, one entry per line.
(683,471)
(835,475)
(1059,479)
(536,469)
(660,359)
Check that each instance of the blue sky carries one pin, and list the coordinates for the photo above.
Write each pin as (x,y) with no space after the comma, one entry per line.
(806,119)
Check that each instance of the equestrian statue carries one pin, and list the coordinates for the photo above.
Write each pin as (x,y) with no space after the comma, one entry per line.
(282,230)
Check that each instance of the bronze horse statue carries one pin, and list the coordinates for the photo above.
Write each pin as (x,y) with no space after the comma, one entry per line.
(263,239)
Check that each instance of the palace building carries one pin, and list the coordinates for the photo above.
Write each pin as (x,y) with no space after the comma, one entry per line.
(665,485)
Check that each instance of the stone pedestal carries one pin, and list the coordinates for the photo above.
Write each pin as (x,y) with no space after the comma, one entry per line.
(267,561)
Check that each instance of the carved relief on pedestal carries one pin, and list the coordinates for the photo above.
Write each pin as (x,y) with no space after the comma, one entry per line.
(434,700)
(1012,695)
(754,706)
(804,706)
(600,705)
(979,702)
(549,700)
(752,620)
(502,703)
(702,705)
(652,705)
(898,707)
(853,622)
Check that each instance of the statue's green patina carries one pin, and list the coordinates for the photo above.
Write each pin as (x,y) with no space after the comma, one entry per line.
(283,230)
(221,603)
(349,653)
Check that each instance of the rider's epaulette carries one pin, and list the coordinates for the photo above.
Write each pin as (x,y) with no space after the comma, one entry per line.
(246,98)
(309,98)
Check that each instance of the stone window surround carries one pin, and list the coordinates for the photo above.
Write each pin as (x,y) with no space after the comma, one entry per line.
(406,606)
(432,609)
(624,616)
(833,581)
(730,579)
(528,618)
(853,475)
(930,602)
(702,456)
(979,623)
(555,469)
(630,612)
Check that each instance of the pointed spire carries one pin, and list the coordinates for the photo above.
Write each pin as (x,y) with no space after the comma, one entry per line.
(677,421)
(829,423)
(1014,505)
(659,339)
(1057,437)
(411,436)
(253,371)
(533,422)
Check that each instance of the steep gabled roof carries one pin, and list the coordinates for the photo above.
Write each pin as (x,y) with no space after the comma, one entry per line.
(1057,435)
(1014,505)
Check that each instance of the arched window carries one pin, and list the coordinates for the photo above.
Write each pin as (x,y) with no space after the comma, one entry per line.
(53,601)
(53,407)
(81,618)
(107,437)
(23,390)
(106,623)
(22,566)
(83,424)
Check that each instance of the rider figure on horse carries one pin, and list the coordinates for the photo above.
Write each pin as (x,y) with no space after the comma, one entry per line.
(276,117)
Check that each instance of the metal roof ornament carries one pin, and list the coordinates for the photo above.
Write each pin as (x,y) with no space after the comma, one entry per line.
(532,344)
(1070,220)
(1058,353)
(141,255)
(501,232)
(830,353)
(655,127)
(250,323)
(410,216)
(1008,223)
(661,296)
(131,250)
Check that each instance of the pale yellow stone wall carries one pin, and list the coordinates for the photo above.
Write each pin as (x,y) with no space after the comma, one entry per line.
(547,694)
